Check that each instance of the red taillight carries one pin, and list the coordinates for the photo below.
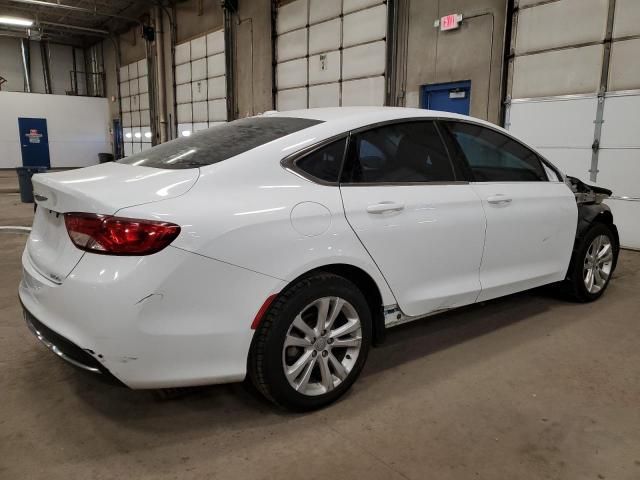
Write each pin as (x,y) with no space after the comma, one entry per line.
(111,235)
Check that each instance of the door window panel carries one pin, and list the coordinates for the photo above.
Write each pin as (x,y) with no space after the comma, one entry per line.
(494,157)
(398,153)
(324,163)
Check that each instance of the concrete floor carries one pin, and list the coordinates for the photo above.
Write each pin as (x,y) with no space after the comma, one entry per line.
(526,387)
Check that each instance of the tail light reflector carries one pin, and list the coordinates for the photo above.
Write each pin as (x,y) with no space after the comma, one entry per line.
(109,235)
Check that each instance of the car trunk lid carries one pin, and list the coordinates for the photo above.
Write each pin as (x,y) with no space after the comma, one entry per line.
(103,189)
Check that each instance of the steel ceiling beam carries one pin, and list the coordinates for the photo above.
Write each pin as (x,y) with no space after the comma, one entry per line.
(75,27)
(42,3)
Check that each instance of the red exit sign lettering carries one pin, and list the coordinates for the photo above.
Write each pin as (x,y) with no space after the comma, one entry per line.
(450,22)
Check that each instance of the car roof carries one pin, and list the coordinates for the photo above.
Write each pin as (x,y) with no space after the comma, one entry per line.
(359,116)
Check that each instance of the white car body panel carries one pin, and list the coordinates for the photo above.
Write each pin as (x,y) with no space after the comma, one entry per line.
(529,235)
(430,251)
(249,227)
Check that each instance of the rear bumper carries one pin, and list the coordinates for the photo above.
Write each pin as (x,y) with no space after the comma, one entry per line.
(168,320)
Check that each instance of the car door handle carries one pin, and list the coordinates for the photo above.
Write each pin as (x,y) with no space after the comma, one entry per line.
(499,199)
(383,207)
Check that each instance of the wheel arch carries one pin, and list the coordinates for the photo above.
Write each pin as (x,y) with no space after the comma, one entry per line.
(365,282)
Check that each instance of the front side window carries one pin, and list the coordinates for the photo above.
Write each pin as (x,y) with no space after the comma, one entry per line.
(218,143)
(398,153)
(324,164)
(494,157)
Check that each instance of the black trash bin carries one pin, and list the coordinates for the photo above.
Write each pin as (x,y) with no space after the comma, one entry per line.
(105,157)
(24,181)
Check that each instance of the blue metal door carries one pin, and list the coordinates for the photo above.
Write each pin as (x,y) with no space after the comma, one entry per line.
(34,142)
(447,97)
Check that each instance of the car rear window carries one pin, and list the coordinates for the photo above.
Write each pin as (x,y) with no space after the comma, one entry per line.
(218,143)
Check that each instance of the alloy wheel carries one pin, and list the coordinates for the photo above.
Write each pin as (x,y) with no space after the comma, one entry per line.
(597,264)
(321,346)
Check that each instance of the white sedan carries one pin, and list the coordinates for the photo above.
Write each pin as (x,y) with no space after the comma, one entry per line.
(280,247)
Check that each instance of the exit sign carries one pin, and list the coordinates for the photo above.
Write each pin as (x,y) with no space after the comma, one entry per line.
(450,22)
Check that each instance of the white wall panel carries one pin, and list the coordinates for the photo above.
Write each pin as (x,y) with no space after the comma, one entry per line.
(292,99)
(351,5)
(143,84)
(217,110)
(621,127)
(215,42)
(559,24)
(366,91)
(145,118)
(626,216)
(185,114)
(185,129)
(142,67)
(183,93)
(364,60)
(200,112)
(571,71)
(133,70)
(198,69)
(292,45)
(627,18)
(183,73)
(125,104)
(124,73)
(292,73)
(198,48)
(126,119)
(572,161)
(556,123)
(624,69)
(327,95)
(619,170)
(134,86)
(144,101)
(124,89)
(291,16)
(199,91)
(135,118)
(320,10)
(365,26)
(78,127)
(324,36)
(324,68)
(216,88)
(183,53)
(215,65)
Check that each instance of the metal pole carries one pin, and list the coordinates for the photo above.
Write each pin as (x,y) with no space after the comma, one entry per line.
(162,76)
(44,52)
(26,64)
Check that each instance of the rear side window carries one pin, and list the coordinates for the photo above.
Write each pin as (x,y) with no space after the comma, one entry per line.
(218,143)
(324,163)
(494,157)
(410,152)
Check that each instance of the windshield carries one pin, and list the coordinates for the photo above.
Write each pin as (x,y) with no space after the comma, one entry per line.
(218,143)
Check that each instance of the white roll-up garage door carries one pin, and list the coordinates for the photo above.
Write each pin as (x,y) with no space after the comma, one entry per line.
(330,53)
(200,83)
(134,104)
(556,103)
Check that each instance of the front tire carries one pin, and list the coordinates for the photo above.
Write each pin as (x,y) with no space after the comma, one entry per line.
(593,265)
(312,344)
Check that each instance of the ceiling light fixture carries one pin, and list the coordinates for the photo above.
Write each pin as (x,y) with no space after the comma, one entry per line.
(21,22)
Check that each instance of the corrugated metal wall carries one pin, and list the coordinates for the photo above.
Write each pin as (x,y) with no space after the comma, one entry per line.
(574,93)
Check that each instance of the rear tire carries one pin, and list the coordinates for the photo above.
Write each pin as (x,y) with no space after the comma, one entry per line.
(312,344)
(593,264)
